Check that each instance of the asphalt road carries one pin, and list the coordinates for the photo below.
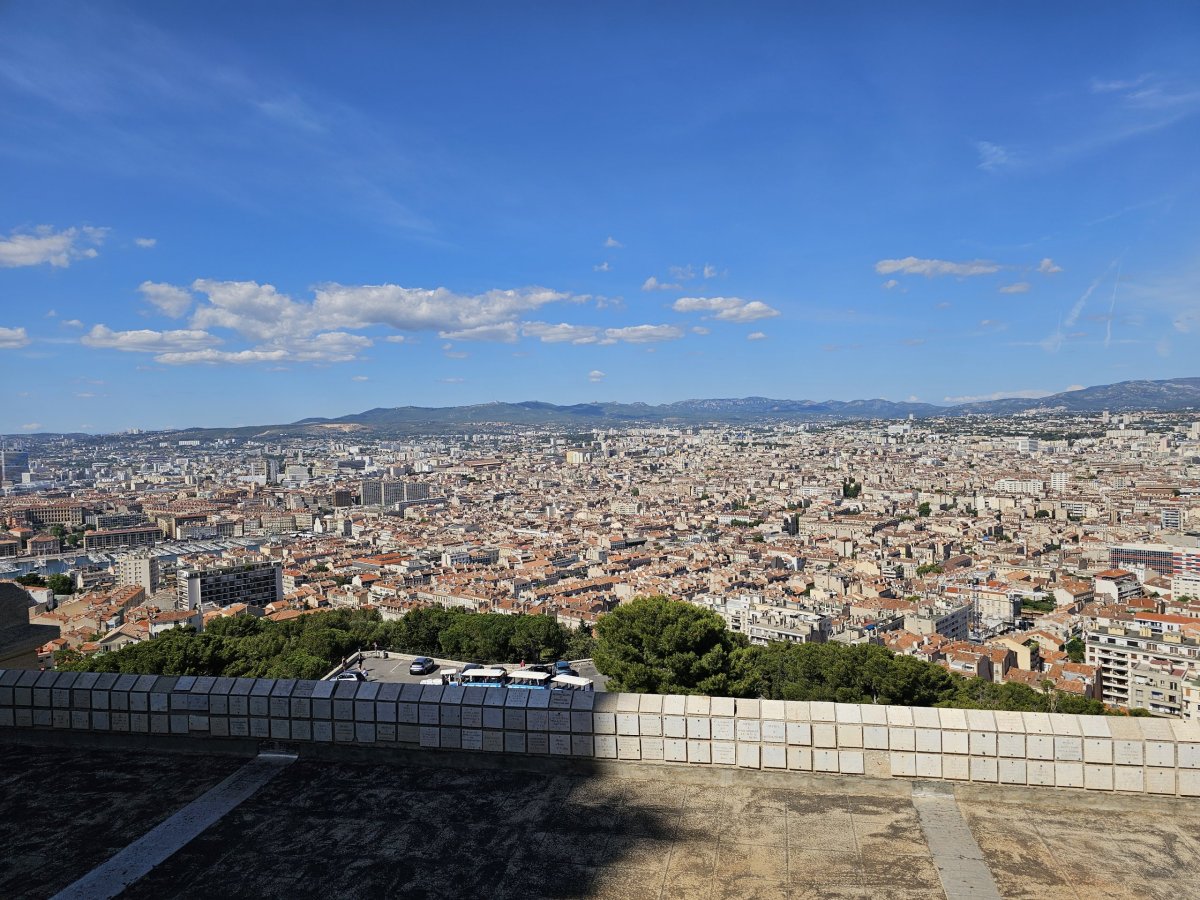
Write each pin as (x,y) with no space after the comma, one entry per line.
(395,669)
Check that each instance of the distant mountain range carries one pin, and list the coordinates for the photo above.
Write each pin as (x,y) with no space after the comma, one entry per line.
(1126,396)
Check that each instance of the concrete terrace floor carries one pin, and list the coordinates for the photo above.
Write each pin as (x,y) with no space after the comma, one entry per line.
(332,830)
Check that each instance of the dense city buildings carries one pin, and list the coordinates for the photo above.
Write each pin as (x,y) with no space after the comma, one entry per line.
(1051,551)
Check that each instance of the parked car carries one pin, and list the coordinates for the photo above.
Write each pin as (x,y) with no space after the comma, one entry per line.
(422,665)
(351,675)
(540,667)
(562,667)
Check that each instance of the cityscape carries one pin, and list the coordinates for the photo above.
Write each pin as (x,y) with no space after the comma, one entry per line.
(531,452)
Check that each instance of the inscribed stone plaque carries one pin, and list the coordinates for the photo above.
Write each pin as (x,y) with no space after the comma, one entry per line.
(560,700)
(627,724)
(279,707)
(302,730)
(560,744)
(364,710)
(493,717)
(24,717)
(1068,748)
(199,703)
(581,745)
(581,722)
(559,720)
(605,746)
(451,715)
(472,739)
(79,719)
(603,723)
(158,724)
(197,723)
(120,721)
(139,722)
(536,742)
(261,728)
(774,732)
(629,748)
(722,730)
(472,717)
(238,706)
(1127,753)
(536,719)
(342,709)
(430,736)
(261,707)
(218,726)
(343,732)
(62,697)
(407,713)
(723,753)
(281,730)
(493,741)
(428,714)
(514,742)
(751,730)
(514,719)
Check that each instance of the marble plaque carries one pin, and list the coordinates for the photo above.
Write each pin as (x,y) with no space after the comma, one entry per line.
(559,720)
(472,717)
(560,744)
(750,730)
(723,753)
(537,720)
(472,739)
(537,742)
(774,732)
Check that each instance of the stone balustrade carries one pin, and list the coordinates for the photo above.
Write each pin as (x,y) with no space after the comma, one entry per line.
(1097,753)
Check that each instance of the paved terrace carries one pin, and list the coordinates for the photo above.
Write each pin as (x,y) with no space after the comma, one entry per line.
(577,829)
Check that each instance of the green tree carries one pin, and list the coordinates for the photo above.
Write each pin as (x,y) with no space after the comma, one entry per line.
(31,580)
(61,584)
(1076,650)
(924,510)
(657,645)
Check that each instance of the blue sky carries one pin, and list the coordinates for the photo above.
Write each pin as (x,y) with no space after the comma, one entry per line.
(219,214)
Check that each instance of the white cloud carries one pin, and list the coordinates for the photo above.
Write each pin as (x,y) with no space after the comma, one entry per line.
(504,332)
(992,156)
(169,299)
(12,338)
(756,336)
(889,284)
(71,323)
(562,333)
(595,376)
(643,334)
(31,426)
(260,312)
(1021,287)
(45,245)
(911,265)
(1047,267)
(653,284)
(612,243)
(999,395)
(451,380)
(147,341)
(360,378)
(1073,387)
(683,273)
(700,329)
(727,309)
(710,271)
(1108,87)
(145,243)
(329,347)
(602,267)
(396,339)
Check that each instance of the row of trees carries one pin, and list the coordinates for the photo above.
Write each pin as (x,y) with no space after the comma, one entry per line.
(656,645)
(309,646)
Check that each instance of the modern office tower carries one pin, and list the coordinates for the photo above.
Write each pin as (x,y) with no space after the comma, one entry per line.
(252,583)
(13,465)
(386,492)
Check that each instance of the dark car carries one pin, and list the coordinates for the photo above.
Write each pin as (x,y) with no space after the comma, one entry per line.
(467,667)
(562,667)
(351,675)
(422,665)
(540,667)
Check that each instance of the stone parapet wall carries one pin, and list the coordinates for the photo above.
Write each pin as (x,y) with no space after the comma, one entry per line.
(1095,753)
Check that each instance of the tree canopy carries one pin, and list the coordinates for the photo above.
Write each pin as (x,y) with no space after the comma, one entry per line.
(309,646)
(657,645)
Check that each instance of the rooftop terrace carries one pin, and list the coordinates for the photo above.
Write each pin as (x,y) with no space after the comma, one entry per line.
(580,829)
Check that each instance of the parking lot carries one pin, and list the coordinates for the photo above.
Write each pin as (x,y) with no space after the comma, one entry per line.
(395,668)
